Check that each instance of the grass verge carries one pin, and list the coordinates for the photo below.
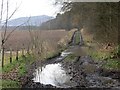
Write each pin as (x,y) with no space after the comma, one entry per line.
(22,70)
(70,58)
(10,84)
(77,38)
(112,64)
(109,64)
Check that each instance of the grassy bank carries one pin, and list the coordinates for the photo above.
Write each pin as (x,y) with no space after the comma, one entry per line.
(21,63)
(109,63)
(21,69)
(99,53)
(10,84)
(70,58)
(77,38)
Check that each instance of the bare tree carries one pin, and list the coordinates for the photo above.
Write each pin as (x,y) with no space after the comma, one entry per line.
(38,44)
(4,25)
(38,47)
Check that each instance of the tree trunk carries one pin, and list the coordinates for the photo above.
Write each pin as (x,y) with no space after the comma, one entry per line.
(3,52)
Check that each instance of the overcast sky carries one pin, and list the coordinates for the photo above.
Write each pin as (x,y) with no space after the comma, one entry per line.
(32,8)
(35,7)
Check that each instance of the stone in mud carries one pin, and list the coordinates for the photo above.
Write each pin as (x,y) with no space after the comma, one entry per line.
(89,68)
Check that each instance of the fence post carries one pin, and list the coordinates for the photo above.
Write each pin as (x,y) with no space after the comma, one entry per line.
(23,51)
(28,51)
(10,55)
(31,49)
(17,54)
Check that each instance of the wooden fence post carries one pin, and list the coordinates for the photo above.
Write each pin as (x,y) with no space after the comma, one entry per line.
(28,50)
(32,49)
(10,55)
(23,50)
(17,54)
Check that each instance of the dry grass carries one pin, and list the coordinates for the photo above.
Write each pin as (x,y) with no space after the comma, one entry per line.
(18,38)
(51,38)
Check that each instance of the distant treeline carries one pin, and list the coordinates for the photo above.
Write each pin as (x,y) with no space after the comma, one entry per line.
(99,18)
(62,21)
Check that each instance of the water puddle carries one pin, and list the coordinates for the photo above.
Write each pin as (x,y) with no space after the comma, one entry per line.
(52,74)
(65,53)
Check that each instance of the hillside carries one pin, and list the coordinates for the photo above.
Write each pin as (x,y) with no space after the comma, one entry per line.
(34,20)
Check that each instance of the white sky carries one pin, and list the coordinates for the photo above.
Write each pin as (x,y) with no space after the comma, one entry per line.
(35,7)
(32,7)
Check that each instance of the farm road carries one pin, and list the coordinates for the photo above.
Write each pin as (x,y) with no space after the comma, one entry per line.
(85,71)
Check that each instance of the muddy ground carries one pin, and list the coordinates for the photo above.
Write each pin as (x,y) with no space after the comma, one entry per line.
(85,72)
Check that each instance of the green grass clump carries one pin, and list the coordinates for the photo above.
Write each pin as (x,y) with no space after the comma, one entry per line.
(77,38)
(10,84)
(118,50)
(98,55)
(21,65)
(22,69)
(112,64)
(9,66)
(70,57)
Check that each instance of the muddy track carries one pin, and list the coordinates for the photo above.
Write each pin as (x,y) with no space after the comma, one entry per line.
(27,82)
(88,74)
(85,72)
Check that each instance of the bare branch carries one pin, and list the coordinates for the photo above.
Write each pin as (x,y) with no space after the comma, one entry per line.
(14,30)
(1,13)
(7,19)
(31,35)
(14,12)
(6,22)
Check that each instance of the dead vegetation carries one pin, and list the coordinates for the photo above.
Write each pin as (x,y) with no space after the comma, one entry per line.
(18,38)
(52,41)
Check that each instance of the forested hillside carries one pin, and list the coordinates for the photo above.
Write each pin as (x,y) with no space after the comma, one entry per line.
(99,19)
